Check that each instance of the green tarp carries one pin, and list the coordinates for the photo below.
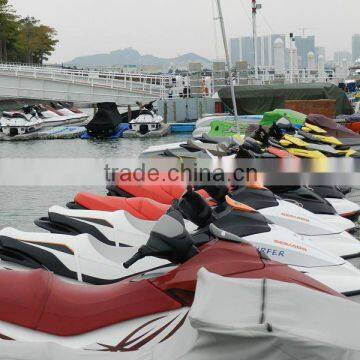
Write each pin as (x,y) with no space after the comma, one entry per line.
(258,99)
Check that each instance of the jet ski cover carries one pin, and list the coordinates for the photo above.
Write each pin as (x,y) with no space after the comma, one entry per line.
(280,321)
(106,120)
(258,99)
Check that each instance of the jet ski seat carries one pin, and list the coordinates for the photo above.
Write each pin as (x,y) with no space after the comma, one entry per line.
(164,191)
(162,194)
(142,208)
(40,301)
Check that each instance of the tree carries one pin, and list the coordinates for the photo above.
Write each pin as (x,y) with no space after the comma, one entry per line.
(8,29)
(24,40)
(37,41)
(44,43)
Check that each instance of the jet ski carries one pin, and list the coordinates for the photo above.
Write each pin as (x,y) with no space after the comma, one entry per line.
(23,122)
(119,228)
(308,141)
(281,212)
(59,115)
(167,191)
(136,313)
(337,199)
(142,208)
(261,199)
(81,258)
(276,242)
(310,198)
(147,121)
(164,191)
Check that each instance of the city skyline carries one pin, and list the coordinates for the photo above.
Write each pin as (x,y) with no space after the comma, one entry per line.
(242,49)
(166,28)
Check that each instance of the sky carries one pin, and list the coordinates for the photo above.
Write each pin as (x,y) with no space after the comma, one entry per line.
(168,28)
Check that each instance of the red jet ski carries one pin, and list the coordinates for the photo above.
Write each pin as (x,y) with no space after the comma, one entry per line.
(164,190)
(46,305)
(142,208)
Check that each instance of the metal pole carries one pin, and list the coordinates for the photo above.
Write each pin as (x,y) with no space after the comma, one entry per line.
(215,31)
(291,59)
(254,13)
(228,63)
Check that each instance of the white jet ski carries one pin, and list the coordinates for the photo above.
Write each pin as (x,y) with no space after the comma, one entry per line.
(121,228)
(275,242)
(82,257)
(15,123)
(338,200)
(148,120)
(332,237)
(63,116)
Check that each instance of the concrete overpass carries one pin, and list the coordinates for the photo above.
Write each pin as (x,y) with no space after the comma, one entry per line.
(52,83)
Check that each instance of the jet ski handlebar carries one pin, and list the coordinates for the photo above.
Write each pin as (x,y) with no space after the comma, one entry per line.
(138,256)
(168,240)
(143,252)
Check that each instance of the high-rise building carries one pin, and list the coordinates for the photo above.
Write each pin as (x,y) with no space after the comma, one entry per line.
(274,37)
(242,49)
(341,56)
(247,50)
(304,45)
(235,52)
(320,50)
(266,51)
(356,47)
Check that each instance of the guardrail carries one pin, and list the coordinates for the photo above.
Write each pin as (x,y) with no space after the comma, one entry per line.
(138,83)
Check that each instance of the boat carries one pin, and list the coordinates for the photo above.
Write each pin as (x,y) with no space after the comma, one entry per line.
(260,199)
(148,124)
(118,230)
(61,116)
(15,123)
(338,201)
(135,314)
(159,150)
(211,124)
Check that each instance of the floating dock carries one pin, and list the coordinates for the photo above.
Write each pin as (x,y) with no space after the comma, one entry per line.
(183,127)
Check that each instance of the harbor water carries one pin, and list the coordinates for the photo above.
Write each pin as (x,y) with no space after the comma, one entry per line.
(20,206)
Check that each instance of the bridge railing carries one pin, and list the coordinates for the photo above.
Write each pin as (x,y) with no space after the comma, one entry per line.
(134,82)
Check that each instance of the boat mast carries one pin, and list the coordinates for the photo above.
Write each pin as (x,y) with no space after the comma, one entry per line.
(255,8)
(215,18)
(228,63)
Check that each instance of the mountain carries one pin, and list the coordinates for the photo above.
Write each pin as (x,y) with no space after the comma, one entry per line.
(131,56)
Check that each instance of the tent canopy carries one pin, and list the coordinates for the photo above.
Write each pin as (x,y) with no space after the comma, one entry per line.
(258,99)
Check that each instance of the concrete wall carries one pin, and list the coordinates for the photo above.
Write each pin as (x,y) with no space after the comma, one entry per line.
(188,109)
